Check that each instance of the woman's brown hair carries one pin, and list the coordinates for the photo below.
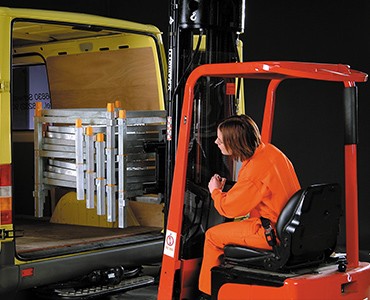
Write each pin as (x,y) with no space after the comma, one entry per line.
(240,135)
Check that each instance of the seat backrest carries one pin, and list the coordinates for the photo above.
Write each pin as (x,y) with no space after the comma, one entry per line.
(309,223)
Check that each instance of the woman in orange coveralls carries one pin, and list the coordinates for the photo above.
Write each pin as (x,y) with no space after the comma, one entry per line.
(265,182)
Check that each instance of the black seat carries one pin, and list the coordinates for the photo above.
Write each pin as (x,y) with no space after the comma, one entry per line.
(307,229)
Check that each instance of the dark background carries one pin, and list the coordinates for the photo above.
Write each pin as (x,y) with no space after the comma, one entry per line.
(308,124)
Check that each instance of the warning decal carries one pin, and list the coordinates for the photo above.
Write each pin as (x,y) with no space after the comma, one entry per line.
(230,88)
(169,245)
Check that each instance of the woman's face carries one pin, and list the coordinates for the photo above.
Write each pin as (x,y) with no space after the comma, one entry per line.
(219,142)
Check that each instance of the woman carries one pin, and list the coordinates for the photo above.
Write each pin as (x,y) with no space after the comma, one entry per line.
(265,182)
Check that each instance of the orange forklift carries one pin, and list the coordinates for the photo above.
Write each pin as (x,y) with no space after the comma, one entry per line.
(305,262)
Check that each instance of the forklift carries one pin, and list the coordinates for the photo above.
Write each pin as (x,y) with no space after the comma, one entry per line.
(204,48)
(304,265)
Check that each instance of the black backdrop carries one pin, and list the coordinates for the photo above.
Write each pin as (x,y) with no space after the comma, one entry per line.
(308,123)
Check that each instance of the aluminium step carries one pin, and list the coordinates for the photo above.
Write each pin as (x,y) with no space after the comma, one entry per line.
(72,292)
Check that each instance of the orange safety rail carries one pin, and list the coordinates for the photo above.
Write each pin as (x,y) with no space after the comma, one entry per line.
(275,72)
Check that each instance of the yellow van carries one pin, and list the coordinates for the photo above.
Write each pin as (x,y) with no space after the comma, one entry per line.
(82,106)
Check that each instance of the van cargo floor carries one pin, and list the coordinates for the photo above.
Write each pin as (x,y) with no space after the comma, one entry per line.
(39,238)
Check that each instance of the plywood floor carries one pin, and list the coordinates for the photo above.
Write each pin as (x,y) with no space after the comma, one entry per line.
(39,235)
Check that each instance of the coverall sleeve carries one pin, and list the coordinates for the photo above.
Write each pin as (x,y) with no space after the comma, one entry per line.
(239,200)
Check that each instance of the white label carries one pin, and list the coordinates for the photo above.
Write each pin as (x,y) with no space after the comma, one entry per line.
(5,191)
(169,244)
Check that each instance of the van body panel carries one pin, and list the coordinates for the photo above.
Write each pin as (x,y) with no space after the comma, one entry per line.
(5,157)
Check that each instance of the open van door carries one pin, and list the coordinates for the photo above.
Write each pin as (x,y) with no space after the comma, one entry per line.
(76,92)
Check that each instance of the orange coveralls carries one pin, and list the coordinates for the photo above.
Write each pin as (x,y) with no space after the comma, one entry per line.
(265,183)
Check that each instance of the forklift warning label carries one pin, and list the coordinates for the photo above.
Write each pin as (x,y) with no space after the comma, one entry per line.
(169,245)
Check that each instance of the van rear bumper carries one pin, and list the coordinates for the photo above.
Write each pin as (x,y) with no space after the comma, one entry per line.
(64,268)
(9,272)
(9,276)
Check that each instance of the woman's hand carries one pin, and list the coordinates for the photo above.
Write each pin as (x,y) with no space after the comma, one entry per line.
(216,182)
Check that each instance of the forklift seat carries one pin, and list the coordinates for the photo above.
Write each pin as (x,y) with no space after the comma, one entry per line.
(307,231)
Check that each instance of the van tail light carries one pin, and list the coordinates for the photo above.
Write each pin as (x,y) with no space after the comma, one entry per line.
(5,195)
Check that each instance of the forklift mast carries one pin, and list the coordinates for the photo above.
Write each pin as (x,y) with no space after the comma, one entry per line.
(201,32)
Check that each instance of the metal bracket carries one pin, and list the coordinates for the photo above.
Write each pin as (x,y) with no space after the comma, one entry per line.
(9,234)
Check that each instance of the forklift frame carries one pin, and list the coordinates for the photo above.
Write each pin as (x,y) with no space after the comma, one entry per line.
(173,266)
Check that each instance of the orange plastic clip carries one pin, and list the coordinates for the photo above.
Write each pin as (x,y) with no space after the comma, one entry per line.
(122,114)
